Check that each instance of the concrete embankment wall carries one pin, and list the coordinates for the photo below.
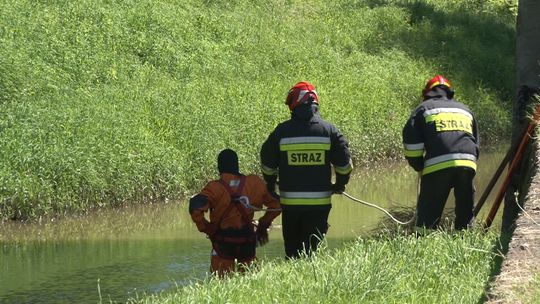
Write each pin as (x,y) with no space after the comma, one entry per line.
(522,262)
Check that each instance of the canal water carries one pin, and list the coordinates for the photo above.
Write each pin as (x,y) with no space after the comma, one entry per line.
(113,255)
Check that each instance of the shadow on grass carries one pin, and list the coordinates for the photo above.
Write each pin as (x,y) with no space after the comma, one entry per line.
(468,44)
(500,249)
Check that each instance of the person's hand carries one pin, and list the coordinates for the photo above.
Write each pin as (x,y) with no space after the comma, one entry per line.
(338,188)
(210,229)
(262,233)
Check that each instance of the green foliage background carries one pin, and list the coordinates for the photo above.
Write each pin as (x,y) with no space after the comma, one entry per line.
(108,102)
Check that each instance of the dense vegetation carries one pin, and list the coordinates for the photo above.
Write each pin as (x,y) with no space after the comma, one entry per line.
(108,102)
(439,268)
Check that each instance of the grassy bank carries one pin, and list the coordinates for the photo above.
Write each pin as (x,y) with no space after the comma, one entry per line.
(108,102)
(439,268)
(528,293)
(533,293)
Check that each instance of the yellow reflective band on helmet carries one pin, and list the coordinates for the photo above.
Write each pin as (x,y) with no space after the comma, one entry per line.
(449,164)
(436,83)
(305,201)
(451,122)
(344,170)
(268,171)
(304,146)
(413,153)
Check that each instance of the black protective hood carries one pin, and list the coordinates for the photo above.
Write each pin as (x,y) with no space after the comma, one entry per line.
(305,111)
(439,92)
(228,162)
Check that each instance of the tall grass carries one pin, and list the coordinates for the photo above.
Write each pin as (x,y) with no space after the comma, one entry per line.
(439,268)
(108,102)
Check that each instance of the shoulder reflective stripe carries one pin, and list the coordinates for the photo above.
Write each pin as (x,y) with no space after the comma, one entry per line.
(308,146)
(446,110)
(304,140)
(412,147)
(268,171)
(302,194)
(449,164)
(417,153)
(305,201)
(344,169)
(304,143)
(445,157)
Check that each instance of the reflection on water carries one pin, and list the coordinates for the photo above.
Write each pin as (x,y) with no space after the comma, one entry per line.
(150,248)
(70,271)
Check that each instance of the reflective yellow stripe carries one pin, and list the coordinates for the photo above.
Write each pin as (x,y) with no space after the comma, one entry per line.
(344,170)
(449,164)
(451,122)
(450,156)
(436,83)
(305,157)
(447,110)
(305,201)
(418,146)
(304,146)
(268,171)
(413,153)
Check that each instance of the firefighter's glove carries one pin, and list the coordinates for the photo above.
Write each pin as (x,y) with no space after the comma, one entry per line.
(338,188)
(210,229)
(262,233)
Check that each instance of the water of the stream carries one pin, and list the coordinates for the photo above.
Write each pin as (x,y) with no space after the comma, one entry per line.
(112,255)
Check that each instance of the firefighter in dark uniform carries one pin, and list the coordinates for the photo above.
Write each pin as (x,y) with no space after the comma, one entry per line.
(441,141)
(302,151)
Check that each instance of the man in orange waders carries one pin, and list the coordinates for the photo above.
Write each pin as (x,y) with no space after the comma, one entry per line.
(441,141)
(231,200)
(302,152)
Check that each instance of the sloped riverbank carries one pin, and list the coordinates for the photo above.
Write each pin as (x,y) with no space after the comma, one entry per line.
(519,279)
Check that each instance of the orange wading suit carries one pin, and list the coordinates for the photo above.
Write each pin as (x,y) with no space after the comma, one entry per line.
(231,229)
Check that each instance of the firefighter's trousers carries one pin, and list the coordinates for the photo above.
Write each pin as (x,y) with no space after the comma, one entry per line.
(434,190)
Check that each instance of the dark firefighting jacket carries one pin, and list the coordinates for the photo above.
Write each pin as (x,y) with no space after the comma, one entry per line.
(302,151)
(441,133)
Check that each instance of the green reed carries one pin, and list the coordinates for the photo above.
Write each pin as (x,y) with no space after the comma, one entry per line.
(438,268)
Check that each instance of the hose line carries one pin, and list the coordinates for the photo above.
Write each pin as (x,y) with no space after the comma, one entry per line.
(246,203)
(380,209)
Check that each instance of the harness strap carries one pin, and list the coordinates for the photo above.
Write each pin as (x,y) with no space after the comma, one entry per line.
(234,239)
(235,202)
(238,243)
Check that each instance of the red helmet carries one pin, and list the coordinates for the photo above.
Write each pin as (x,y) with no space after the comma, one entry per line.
(301,93)
(438,80)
